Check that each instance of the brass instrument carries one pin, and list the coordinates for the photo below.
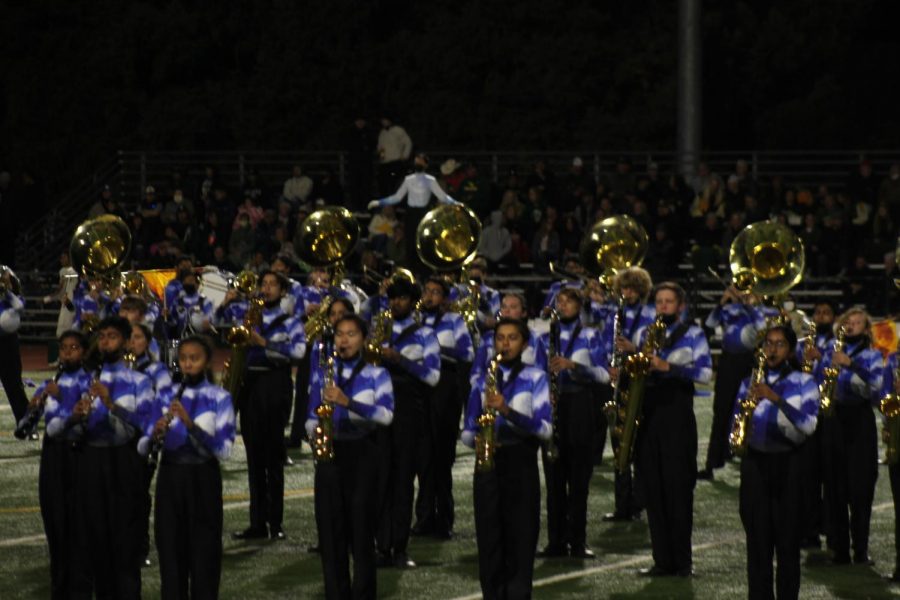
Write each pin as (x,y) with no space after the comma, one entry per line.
(637,366)
(766,258)
(239,340)
(377,277)
(156,445)
(382,326)
(467,308)
(14,285)
(317,322)
(828,387)
(323,443)
(890,434)
(447,237)
(485,439)
(809,343)
(100,247)
(552,352)
(741,429)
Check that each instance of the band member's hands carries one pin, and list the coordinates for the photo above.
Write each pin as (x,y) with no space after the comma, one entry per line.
(102,392)
(658,364)
(335,395)
(498,403)
(37,400)
(230,296)
(159,428)
(811,353)
(489,322)
(179,411)
(52,389)
(730,295)
(82,408)
(311,308)
(390,355)
(257,340)
(840,359)
(623,344)
(613,374)
(383,286)
(762,390)
(561,363)
(373,205)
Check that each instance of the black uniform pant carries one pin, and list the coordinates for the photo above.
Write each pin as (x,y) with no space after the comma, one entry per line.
(666,469)
(301,402)
(602,393)
(11,375)
(894,472)
(568,477)
(397,445)
(770,509)
(262,425)
(188,529)
(815,518)
(507,521)
(437,452)
(733,369)
(107,522)
(56,494)
(851,470)
(345,517)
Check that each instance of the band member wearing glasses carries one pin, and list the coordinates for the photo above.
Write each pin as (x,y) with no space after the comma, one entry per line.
(771,478)
(363,399)
(508,497)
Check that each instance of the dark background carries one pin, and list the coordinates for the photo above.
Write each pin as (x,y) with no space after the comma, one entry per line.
(83,79)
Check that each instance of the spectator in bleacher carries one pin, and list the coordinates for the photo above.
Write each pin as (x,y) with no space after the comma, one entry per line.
(860,223)
(545,245)
(381,228)
(151,210)
(257,263)
(394,149)
(520,251)
(747,184)
(328,189)
(452,176)
(570,235)
(298,187)
(787,206)
(732,196)
(475,192)
(242,242)
(889,191)
(640,214)
(178,202)
(495,242)
(752,210)
(707,251)
(254,213)
(703,177)
(208,184)
(655,186)
(209,234)
(284,217)
(576,183)
(360,147)
(302,213)
(860,285)
(283,245)
(733,226)
(395,248)
(542,178)
(811,234)
(586,209)
(265,232)
(834,233)
(254,187)
(106,204)
(220,260)
(884,233)
(861,185)
(662,258)
(621,181)
(710,200)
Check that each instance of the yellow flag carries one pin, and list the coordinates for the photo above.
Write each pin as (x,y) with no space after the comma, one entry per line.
(157,279)
(884,336)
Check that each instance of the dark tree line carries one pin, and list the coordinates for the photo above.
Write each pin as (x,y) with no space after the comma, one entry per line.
(82,79)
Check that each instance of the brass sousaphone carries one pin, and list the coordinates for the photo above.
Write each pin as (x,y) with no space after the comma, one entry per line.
(100,247)
(766,258)
(613,244)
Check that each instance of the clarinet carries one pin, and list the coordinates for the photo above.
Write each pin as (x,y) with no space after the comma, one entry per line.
(553,351)
(28,425)
(156,445)
(611,408)
(83,421)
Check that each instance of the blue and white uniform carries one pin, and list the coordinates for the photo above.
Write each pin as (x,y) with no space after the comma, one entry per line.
(581,345)
(452,334)
(488,302)
(782,427)
(486,352)
(182,311)
(741,326)
(286,340)
(230,314)
(58,410)
(860,383)
(132,396)
(86,305)
(637,317)
(419,349)
(11,308)
(158,373)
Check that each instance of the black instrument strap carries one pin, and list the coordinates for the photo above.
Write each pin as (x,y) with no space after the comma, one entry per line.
(438,317)
(862,346)
(410,329)
(267,329)
(513,374)
(677,334)
(357,369)
(575,333)
(634,324)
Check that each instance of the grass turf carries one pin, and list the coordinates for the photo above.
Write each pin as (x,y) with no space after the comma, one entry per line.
(450,569)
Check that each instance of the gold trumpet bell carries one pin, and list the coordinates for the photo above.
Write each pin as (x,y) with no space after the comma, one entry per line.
(766,258)
(447,237)
(100,246)
(327,236)
(615,243)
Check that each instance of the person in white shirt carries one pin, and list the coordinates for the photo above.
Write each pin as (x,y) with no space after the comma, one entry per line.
(394,149)
(298,187)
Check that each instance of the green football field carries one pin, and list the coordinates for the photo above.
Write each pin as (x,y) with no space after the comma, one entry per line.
(450,569)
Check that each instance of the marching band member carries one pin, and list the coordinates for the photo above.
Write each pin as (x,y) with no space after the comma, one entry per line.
(89,301)
(363,400)
(814,514)
(175,285)
(138,311)
(232,310)
(508,498)
(489,302)
(194,423)
(435,505)
(293,297)
(771,481)
(106,555)
(891,385)
(741,324)
(11,306)
(58,397)
(850,446)
(666,444)
(632,285)
(512,306)
(577,366)
(263,410)
(189,310)
(412,357)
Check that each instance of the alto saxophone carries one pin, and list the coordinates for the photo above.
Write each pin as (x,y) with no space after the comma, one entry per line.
(740,430)
(324,436)
(382,324)
(239,340)
(552,352)
(809,344)
(829,384)
(638,367)
(890,434)
(485,440)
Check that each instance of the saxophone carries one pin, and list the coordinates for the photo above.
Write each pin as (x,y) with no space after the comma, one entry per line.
(611,408)
(239,340)
(382,325)
(829,384)
(318,321)
(740,430)
(323,443)
(638,367)
(809,343)
(553,351)
(890,434)
(485,440)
